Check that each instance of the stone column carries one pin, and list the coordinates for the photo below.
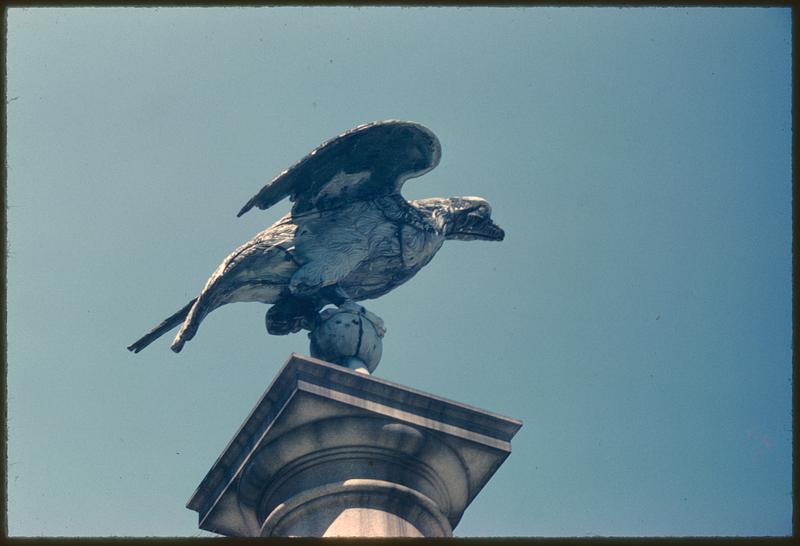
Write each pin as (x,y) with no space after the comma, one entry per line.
(331,452)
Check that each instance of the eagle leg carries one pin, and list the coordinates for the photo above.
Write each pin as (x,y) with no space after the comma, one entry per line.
(292,314)
(335,294)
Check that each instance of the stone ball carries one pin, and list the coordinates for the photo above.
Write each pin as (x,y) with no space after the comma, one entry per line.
(350,336)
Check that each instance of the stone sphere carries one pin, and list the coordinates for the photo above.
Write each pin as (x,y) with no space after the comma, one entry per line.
(350,336)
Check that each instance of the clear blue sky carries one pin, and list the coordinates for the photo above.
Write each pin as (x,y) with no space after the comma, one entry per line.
(637,317)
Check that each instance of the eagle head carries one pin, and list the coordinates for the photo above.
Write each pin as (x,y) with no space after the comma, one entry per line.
(462,218)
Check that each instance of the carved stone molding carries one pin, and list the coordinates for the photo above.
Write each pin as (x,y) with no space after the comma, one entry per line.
(331,452)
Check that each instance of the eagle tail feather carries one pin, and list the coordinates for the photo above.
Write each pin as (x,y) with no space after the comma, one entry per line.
(168,324)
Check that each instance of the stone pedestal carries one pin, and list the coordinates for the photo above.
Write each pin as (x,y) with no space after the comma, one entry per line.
(331,452)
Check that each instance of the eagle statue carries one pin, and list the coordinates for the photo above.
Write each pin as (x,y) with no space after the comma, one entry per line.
(350,235)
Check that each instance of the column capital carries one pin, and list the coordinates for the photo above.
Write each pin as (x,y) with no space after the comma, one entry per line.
(328,451)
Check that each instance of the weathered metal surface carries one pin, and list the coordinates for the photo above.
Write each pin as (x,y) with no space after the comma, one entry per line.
(350,235)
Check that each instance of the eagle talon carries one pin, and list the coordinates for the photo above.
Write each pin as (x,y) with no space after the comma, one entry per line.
(351,306)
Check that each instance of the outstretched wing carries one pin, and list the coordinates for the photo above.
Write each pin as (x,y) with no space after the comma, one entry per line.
(366,162)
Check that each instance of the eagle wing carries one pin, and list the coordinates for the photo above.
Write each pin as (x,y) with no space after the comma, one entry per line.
(369,161)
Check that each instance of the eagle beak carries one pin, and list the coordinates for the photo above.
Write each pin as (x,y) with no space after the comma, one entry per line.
(485,231)
(494,232)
